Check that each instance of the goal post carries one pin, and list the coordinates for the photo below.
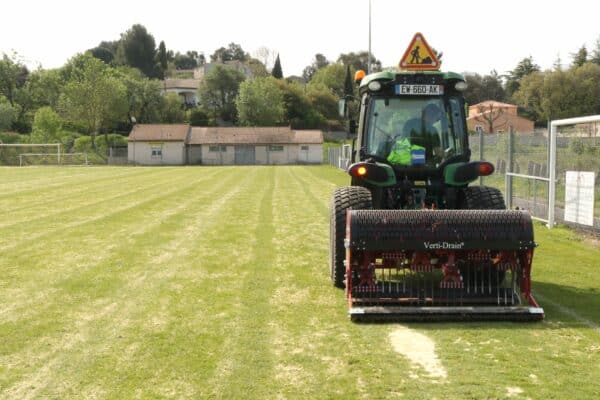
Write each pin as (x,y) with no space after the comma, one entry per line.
(10,152)
(555,125)
(53,158)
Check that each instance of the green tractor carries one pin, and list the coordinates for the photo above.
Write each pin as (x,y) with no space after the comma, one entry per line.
(409,238)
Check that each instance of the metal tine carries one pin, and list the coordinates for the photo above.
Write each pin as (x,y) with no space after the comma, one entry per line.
(498,286)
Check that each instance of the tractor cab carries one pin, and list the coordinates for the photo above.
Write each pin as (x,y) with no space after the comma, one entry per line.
(412,121)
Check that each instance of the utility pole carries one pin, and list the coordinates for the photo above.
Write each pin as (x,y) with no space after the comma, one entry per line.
(369,61)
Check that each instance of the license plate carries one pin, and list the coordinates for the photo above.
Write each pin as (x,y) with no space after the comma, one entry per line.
(419,90)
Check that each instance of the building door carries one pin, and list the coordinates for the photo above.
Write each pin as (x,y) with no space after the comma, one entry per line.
(303,154)
(244,155)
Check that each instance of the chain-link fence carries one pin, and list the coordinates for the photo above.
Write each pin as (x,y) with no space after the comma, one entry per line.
(523,166)
(339,156)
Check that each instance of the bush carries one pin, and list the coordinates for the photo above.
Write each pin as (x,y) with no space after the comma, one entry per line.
(198,117)
(577,146)
(13,137)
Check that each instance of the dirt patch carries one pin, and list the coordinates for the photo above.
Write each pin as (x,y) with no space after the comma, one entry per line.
(419,349)
(513,391)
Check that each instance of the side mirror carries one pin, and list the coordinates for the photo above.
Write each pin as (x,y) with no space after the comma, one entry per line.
(342,110)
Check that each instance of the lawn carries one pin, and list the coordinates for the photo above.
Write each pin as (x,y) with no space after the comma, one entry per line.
(195,282)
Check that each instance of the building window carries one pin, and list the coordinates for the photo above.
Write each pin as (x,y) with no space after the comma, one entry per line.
(156,152)
(304,147)
(216,149)
(274,147)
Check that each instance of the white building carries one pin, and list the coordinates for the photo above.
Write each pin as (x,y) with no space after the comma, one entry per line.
(182,144)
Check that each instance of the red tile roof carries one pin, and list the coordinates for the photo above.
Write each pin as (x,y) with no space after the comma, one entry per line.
(262,135)
(162,132)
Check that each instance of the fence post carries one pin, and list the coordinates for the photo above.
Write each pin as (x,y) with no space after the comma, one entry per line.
(552,176)
(509,168)
(479,130)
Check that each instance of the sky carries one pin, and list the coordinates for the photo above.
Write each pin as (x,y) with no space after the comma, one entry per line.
(474,36)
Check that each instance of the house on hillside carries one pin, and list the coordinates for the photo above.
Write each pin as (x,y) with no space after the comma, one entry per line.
(239,66)
(187,89)
(500,116)
(180,144)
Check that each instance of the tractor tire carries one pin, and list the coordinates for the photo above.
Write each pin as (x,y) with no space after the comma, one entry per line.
(483,198)
(357,198)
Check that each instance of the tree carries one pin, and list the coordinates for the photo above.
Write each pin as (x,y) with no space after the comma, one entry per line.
(93,98)
(257,67)
(580,57)
(319,62)
(260,102)
(332,77)
(298,111)
(266,56)
(188,60)
(482,88)
(146,102)
(489,113)
(232,52)
(173,111)
(102,53)
(137,49)
(7,114)
(525,67)
(595,56)
(198,117)
(323,100)
(277,71)
(163,61)
(47,126)
(218,91)
(105,51)
(13,75)
(360,60)
(529,94)
(348,86)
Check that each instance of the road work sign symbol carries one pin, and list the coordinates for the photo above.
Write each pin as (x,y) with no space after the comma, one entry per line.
(419,56)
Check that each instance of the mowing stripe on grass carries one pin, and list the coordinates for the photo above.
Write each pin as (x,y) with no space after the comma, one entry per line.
(57,195)
(104,212)
(69,348)
(568,311)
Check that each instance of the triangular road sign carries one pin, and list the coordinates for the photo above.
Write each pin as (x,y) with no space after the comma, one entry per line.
(419,56)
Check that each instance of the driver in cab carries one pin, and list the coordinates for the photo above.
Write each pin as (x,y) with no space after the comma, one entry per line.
(418,140)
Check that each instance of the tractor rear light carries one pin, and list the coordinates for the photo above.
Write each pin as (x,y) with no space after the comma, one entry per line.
(485,168)
(369,171)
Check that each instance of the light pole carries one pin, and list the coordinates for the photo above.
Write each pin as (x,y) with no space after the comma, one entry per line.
(369,60)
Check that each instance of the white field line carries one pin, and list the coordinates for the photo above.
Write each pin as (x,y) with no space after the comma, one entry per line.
(569,312)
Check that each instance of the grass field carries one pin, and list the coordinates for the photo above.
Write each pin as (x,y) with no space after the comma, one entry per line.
(190,282)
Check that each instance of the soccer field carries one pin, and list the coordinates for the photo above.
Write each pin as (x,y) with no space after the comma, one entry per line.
(213,282)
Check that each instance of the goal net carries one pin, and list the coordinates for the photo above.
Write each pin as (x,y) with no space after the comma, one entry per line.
(10,154)
(53,159)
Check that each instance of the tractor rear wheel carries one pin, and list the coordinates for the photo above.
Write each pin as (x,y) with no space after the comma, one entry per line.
(483,198)
(357,198)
